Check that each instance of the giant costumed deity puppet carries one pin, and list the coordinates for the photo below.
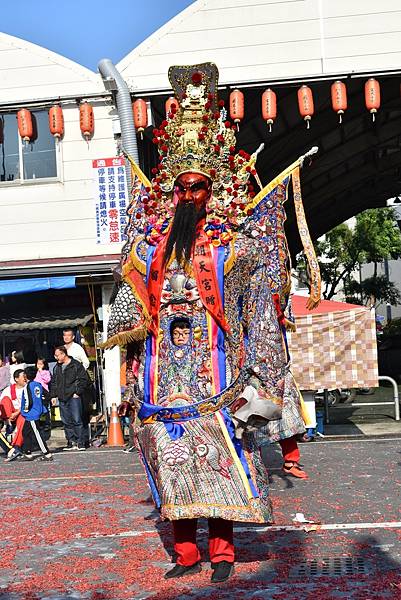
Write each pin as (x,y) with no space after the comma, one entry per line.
(201,309)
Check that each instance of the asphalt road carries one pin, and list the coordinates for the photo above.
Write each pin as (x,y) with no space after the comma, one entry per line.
(84,527)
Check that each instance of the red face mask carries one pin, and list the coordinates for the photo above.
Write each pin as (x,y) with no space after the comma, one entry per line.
(193,187)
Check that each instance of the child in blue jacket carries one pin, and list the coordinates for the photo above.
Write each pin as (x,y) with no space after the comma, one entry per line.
(32,408)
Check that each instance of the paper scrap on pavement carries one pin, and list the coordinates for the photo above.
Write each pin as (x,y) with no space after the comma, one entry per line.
(309,525)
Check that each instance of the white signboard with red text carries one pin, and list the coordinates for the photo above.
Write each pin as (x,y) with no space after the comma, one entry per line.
(111,199)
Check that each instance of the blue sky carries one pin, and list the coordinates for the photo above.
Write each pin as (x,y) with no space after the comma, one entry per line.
(86,31)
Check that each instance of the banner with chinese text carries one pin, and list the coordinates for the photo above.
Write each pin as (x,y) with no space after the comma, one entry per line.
(111,199)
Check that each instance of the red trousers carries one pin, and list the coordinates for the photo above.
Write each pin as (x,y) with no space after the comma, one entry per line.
(290,450)
(18,438)
(7,410)
(221,546)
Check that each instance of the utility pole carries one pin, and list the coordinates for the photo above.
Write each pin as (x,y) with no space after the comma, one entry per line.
(387,276)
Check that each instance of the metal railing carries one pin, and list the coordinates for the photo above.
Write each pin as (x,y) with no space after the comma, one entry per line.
(395,401)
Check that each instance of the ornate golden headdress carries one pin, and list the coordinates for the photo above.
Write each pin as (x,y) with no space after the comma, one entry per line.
(197,137)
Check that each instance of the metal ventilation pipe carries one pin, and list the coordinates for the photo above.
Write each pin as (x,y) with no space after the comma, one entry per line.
(113,81)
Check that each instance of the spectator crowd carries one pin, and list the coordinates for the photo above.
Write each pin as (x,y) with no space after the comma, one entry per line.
(28,393)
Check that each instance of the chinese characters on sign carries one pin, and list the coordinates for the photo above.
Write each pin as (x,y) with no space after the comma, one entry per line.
(111,199)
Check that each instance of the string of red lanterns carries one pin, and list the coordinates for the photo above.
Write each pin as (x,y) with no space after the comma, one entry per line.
(56,122)
(338,101)
(269,104)
(236,108)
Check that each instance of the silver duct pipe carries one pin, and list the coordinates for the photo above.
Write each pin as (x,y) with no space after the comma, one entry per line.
(113,81)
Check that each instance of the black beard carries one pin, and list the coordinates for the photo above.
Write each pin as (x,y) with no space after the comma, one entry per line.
(183,230)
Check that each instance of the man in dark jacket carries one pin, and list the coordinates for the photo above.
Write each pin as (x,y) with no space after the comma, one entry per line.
(68,384)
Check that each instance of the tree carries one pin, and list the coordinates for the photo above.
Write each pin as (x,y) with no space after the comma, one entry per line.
(373,290)
(344,250)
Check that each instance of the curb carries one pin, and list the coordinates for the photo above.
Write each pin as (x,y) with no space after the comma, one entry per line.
(358,436)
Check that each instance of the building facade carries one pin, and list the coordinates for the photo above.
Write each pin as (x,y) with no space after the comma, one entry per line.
(48,203)
(48,225)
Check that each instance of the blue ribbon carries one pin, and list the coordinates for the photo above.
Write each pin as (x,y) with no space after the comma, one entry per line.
(175,430)
(239,450)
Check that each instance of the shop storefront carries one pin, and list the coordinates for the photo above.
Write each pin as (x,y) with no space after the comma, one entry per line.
(34,311)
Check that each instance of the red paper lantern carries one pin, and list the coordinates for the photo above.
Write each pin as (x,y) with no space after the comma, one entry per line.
(372,96)
(269,107)
(237,106)
(305,103)
(339,98)
(171,105)
(140,111)
(56,121)
(25,126)
(86,120)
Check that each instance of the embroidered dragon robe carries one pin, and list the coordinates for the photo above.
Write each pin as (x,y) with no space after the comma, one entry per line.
(195,465)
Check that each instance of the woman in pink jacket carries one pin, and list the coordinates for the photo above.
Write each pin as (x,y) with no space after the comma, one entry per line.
(43,376)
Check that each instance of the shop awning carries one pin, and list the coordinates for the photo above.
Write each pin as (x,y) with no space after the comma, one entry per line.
(35,284)
(36,321)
